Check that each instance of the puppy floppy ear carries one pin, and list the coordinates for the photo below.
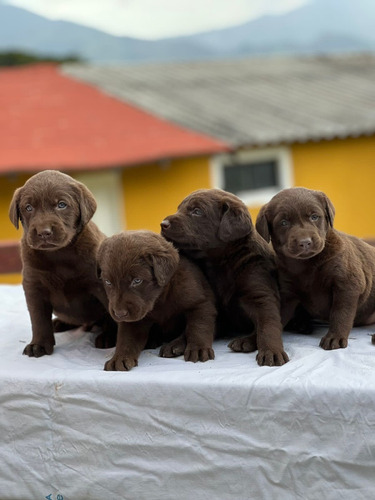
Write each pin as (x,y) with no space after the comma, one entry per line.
(235,221)
(329,209)
(98,271)
(164,263)
(262,225)
(327,205)
(14,209)
(86,201)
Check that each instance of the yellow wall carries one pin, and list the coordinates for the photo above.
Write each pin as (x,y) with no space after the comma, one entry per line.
(345,171)
(152,192)
(11,279)
(8,185)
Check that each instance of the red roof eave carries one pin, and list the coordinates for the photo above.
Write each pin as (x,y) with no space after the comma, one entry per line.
(49,120)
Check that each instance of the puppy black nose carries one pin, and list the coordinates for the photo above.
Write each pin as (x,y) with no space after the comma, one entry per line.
(45,233)
(165,224)
(305,243)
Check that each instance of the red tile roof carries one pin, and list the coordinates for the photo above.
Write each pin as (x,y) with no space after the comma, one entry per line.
(48,120)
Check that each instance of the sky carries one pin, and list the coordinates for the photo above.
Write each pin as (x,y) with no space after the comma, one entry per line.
(153,19)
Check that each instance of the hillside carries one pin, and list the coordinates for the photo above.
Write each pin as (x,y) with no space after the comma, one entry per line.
(23,30)
(321,26)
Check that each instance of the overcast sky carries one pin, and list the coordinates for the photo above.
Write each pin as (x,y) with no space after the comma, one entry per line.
(151,19)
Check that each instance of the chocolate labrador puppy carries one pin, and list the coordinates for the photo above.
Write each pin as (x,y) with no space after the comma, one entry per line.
(214,228)
(147,284)
(58,251)
(330,273)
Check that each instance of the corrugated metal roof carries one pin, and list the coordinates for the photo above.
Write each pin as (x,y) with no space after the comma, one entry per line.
(251,102)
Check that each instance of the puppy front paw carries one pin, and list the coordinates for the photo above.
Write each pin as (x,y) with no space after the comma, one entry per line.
(244,344)
(266,357)
(196,353)
(120,363)
(174,348)
(330,342)
(38,350)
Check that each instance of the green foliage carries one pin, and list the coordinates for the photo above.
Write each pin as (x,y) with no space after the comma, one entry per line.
(14,58)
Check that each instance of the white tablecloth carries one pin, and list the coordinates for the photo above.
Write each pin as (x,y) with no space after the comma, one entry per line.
(226,429)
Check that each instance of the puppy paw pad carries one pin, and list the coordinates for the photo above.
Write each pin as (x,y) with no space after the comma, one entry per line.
(120,364)
(172,349)
(271,358)
(243,344)
(37,351)
(202,354)
(330,343)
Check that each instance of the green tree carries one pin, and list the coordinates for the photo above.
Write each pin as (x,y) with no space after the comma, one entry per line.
(17,58)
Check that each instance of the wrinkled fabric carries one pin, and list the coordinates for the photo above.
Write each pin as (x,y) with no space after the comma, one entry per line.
(225,429)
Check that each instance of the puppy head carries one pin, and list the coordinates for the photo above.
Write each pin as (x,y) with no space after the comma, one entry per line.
(208,218)
(52,208)
(135,268)
(297,221)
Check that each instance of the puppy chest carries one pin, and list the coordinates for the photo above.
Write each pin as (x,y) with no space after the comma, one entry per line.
(75,294)
(223,284)
(80,304)
(171,325)
(314,295)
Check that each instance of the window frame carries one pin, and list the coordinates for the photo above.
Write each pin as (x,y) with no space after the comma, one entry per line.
(281,156)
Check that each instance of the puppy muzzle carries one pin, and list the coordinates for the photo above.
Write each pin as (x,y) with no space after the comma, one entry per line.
(303,246)
(128,313)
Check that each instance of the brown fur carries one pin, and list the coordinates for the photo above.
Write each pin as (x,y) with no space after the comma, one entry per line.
(215,228)
(58,251)
(147,284)
(330,273)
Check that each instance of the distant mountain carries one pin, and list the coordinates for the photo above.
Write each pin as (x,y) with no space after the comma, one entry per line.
(321,26)
(23,30)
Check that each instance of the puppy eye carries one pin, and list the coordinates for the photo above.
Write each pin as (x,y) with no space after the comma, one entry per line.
(314,217)
(136,282)
(61,205)
(197,212)
(284,223)
(107,283)
(29,208)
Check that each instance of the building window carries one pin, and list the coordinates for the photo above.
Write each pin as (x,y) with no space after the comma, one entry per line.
(254,176)
(250,176)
